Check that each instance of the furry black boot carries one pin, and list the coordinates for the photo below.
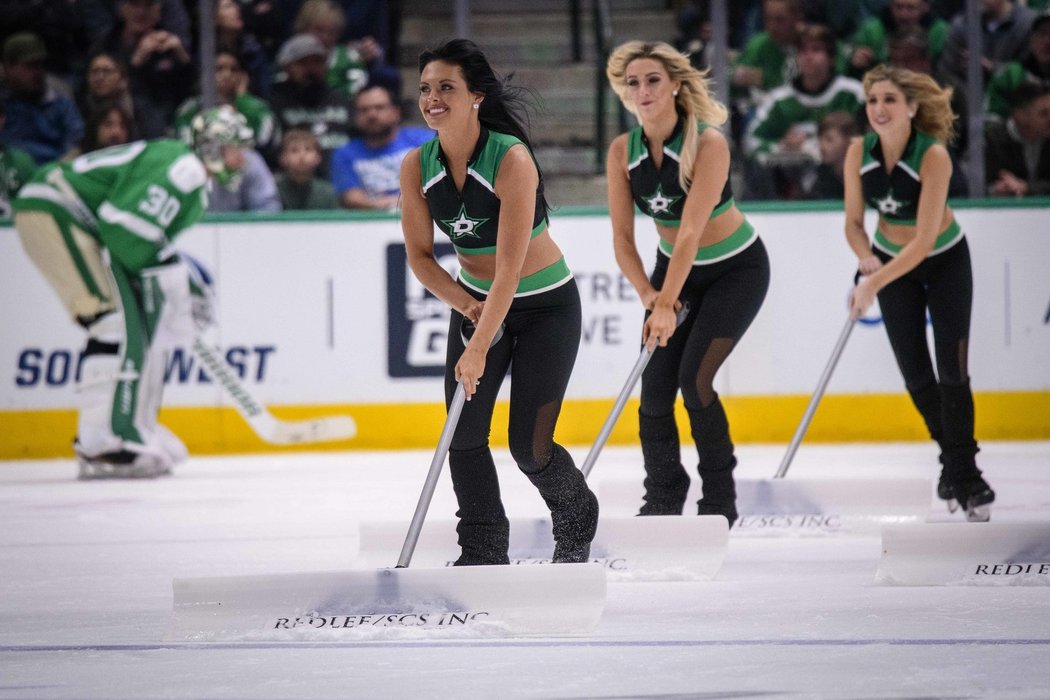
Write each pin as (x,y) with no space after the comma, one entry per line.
(574,507)
(666,481)
(710,430)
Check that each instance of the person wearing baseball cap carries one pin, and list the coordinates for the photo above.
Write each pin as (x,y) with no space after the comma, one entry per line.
(23,48)
(40,121)
(299,47)
(302,99)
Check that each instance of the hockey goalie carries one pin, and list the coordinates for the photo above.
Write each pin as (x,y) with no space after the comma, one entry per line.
(100,229)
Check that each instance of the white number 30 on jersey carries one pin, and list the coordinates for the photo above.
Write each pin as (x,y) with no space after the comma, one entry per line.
(160,205)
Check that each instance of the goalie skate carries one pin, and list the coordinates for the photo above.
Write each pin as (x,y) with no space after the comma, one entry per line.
(121,465)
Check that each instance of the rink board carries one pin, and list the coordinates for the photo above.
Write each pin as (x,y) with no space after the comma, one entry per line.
(336,323)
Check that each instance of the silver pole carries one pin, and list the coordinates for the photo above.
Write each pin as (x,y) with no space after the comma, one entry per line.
(614,414)
(206,47)
(461,15)
(430,484)
(974,99)
(719,62)
(814,400)
(621,400)
(451,420)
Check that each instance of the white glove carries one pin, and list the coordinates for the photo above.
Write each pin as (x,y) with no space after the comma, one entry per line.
(202,293)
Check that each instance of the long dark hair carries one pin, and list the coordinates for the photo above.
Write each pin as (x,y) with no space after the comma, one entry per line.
(505,108)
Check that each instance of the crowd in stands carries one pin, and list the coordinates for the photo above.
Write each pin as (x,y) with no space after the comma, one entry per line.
(795,90)
(318,85)
(80,75)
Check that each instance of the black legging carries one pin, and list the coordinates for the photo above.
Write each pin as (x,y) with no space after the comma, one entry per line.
(942,283)
(724,299)
(539,346)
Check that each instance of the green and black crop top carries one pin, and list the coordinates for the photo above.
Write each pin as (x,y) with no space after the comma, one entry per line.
(471,218)
(895,194)
(657,193)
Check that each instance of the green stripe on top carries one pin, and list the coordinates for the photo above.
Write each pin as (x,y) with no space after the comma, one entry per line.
(490,250)
(554,275)
(945,240)
(706,255)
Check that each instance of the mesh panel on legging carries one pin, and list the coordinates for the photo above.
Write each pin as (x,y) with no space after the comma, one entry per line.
(713,358)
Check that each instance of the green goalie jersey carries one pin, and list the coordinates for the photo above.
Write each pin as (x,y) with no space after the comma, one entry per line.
(134,198)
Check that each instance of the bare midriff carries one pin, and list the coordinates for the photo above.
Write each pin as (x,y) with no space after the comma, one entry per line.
(717,230)
(542,253)
(903,234)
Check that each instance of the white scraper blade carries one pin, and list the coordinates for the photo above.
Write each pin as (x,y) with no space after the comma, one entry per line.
(990,554)
(335,605)
(630,548)
(801,507)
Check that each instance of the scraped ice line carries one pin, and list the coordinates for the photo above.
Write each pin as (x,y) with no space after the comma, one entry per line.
(489,643)
(195,540)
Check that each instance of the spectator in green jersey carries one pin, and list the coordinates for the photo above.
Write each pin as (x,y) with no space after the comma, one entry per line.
(768,58)
(351,64)
(231,88)
(1034,68)
(870,43)
(781,142)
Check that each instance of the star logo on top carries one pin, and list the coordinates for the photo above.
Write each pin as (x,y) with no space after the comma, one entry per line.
(660,203)
(463,226)
(888,204)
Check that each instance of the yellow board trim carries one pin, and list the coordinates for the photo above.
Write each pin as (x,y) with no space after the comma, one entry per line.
(753,419)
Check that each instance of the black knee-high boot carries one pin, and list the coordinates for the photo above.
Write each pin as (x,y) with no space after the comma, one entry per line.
(928,401)
(484,532)
(574,507)
(666,480)
(960,448)
(710,430)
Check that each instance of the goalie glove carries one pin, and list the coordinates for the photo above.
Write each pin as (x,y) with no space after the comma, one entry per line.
(174,314)
(202,293)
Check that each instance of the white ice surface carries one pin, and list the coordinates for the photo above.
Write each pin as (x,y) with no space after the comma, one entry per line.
(86,571)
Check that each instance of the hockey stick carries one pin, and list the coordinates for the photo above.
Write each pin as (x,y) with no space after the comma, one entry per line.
(621,400)
(268,427)
(803,426)
(451,421)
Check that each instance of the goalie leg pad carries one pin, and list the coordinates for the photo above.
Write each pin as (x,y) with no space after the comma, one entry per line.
(115,434)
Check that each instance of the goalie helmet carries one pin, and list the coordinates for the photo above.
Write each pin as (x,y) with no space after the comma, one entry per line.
(212,130)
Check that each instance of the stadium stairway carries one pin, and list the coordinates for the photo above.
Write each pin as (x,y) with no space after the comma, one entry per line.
(533,41)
